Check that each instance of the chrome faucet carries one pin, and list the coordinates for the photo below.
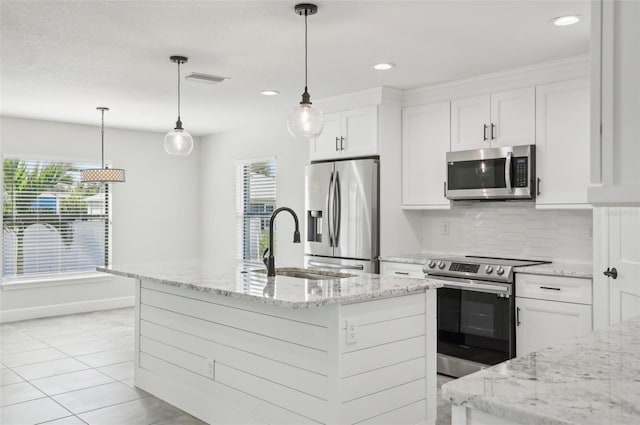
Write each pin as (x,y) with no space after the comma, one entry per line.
(270,262)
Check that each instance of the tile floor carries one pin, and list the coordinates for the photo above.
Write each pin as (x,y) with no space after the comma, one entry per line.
(78,369)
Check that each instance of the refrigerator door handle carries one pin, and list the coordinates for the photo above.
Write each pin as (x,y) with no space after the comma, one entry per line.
(336,266)
(329,207)
(338,211)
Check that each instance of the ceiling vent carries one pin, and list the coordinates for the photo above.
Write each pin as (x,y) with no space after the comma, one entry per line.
(204,78)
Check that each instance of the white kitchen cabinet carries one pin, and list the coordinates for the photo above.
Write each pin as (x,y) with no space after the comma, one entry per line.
(499,119)
(615,101)
(425,143)
(550,310)
(346,134)
(390,268)
(542,323)
(562,144)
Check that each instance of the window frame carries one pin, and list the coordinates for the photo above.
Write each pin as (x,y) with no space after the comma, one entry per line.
(60,279)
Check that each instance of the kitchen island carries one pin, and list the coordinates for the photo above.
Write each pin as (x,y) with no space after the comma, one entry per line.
(240,347)
(593,380)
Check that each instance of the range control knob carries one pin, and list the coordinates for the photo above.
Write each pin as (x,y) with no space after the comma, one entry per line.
(500,271)
(441,265)
(431,264)
(488,269)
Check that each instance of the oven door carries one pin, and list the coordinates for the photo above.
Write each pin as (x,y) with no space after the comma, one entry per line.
(498,173)
(475,325)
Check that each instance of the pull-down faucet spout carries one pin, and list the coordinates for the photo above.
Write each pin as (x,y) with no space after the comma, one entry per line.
(270,262)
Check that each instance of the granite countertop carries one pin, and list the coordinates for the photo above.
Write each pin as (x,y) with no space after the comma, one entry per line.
(250,282)
(581,270)
(592,380)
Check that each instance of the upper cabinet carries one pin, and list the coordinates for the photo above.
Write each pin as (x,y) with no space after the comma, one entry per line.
(425,143)
(562,144)
(350,133)
(499,119)
(615,100)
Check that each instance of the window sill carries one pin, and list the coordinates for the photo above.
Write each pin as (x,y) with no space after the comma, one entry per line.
(45,282)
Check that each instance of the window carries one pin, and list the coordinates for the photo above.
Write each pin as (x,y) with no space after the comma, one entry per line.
(53,224)
(255,201)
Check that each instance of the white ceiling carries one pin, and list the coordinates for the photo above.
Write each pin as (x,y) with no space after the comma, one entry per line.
(61,59)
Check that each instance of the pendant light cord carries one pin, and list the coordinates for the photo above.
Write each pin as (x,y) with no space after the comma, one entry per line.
(305,49)
(179,62)
(102,135)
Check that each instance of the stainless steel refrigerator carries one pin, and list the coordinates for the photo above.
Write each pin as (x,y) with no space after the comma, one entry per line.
(342,215)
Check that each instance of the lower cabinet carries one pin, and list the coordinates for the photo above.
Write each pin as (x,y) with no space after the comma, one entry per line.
(401,269)
(548,320)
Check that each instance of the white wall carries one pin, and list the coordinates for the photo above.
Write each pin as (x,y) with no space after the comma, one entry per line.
(510,229)
(218,156)
(156,212)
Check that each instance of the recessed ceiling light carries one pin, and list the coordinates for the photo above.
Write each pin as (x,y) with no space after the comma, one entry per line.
(269,92)
(383,66)
(563,21)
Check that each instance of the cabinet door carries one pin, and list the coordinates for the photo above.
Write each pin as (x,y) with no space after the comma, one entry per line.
(541,324)
(360,132)
(624,256)
(562,143)
(470,122)
(326,146)
(425,143)
(513,118)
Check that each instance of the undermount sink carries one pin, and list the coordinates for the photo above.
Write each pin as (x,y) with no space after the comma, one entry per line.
(307,273)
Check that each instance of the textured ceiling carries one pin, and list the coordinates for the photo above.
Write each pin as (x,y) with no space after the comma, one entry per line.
(61,59)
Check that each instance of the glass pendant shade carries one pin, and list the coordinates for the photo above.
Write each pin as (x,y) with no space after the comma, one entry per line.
(305,120)
(178,142)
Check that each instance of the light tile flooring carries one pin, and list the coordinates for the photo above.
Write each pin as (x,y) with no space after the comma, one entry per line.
(78,369)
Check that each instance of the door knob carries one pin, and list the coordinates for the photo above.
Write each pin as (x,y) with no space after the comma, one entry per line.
(613,273)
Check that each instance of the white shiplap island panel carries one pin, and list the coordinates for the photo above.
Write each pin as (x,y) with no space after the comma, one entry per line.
(242,348)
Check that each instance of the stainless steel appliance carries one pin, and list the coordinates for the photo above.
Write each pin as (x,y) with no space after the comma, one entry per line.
(476,309)
(497,173)
(341,215)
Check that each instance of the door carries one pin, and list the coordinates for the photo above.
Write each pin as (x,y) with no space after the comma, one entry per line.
(513,116)
(542,323)
(624,255)
(360,132)
(470,118)
(562,140)
(356,221)
(327,145)
(317,199)
(426,139)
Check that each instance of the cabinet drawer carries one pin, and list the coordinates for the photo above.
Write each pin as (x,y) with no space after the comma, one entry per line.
(554,288)
(401,269)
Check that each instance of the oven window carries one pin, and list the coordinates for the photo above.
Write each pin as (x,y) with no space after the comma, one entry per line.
(475,326)
(477,174)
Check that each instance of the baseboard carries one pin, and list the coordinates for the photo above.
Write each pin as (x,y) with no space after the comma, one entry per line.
(63,309)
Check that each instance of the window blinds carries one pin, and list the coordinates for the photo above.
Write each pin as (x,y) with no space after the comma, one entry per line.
(255,201)
(52,223)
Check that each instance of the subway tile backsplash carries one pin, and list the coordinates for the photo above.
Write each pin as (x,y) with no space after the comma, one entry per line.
(510,229)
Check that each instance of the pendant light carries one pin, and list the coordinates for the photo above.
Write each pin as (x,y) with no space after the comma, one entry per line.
(178,141)
(305,120)
(104,174)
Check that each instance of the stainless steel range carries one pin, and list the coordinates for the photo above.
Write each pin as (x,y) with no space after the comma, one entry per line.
(476,309)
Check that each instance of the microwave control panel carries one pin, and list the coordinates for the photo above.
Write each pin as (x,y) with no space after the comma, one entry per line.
(521,172)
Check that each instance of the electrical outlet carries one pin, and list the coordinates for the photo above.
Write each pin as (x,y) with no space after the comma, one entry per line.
(445,228)
(352,331)
(210,371)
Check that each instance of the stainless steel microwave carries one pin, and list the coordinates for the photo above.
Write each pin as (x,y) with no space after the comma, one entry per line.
(496,173)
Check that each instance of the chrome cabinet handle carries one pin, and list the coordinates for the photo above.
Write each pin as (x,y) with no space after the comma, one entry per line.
(403,273)
(613,273)
(493,131)
(517,316)
(342,143)
(444,189)
(485,132)
(507,171)
(550,288)
(337,138)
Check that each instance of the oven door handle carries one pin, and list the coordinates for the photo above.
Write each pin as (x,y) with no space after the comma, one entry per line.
(475,287)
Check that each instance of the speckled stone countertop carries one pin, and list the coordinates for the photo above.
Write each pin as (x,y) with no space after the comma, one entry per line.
(250,282)
(559,269)
(592,380)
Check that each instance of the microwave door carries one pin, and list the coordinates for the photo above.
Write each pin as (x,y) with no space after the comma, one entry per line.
(318,209)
